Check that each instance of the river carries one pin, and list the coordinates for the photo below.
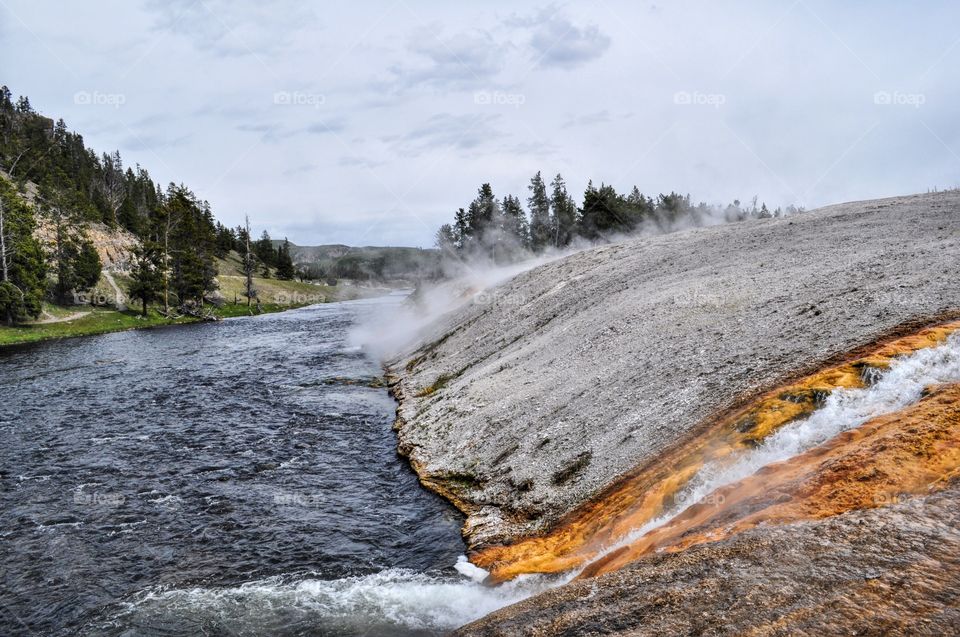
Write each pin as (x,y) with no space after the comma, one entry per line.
(237,478)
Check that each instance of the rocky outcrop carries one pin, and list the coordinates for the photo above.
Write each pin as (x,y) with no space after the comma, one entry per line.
(533,401)
(114,245)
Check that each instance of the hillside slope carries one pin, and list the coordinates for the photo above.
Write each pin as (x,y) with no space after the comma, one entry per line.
(535,398)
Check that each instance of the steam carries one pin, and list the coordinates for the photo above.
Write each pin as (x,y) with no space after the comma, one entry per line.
(393,327)
(497,254)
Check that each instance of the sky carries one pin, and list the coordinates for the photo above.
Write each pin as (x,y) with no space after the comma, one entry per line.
(370,123)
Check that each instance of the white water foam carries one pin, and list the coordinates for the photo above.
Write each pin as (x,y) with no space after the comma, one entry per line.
(394,601)
(398,601)
(844,409)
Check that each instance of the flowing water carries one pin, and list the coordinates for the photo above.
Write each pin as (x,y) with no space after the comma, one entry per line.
(241,478)
(887,391)
(237,478)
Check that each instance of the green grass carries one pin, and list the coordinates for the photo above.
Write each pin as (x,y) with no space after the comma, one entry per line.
(275,295)
(103,321)
(99,321)
(275,291)
(437,385)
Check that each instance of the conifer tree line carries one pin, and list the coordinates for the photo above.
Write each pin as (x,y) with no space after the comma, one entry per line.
(501,229)
(175,264)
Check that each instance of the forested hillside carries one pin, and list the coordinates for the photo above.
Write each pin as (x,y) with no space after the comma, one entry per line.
(54,192)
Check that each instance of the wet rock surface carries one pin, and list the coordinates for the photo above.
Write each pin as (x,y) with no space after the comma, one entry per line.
(530,401)
(887,571)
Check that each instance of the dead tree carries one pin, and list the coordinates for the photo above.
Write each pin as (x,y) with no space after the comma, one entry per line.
(249,266)
(113,187)
(6,248)
(169,223)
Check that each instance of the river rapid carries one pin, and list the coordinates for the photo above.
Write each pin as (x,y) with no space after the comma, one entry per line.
(237,478)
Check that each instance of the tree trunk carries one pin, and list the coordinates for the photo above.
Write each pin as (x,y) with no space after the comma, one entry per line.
(3,246)
(16,161)
(166,257)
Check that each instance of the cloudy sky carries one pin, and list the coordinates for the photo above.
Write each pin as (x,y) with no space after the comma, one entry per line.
(369,123)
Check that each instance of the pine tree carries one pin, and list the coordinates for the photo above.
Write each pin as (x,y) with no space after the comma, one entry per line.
(75,260)
(446,241)
(604,213)
(22,267)
(483,212)
(285,269)
(113,187)
(165,222)
(639,209)
(670,209)
(192,244)
(541,233)
(564,210)
(6,246)
(146,276)
(226,240)
(265,250)
(515,227)
(461,229)
(87,266)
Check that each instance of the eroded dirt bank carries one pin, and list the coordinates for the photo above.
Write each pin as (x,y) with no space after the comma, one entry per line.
(538,398)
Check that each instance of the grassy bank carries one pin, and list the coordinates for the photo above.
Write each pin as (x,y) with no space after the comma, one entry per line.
(84,320)
(104,320)
(97,321)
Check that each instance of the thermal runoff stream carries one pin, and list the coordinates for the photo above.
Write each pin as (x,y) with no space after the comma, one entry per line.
(697,489)
(887,392)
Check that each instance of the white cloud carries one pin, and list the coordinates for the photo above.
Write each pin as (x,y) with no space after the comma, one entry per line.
(390,126)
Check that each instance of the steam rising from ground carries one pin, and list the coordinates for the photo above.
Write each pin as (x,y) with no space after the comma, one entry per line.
(471,272)
(386,334)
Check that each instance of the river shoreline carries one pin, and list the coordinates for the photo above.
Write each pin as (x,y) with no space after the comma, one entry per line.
(236,478)
(108,321)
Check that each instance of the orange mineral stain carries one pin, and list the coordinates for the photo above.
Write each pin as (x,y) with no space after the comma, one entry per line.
(911,451)
(648,491)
